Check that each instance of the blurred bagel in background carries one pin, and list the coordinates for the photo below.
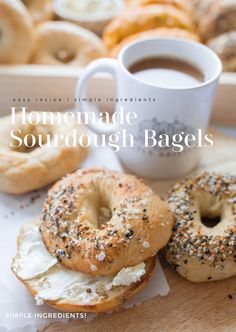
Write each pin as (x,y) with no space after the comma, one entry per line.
(180,4)
(225,47)
(154,33)
(16,33)
(64,43)
(37,154)
(216,17)
(140,18)
(40,10)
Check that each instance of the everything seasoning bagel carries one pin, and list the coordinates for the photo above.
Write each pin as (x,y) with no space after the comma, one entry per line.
(139,223)
(203,243)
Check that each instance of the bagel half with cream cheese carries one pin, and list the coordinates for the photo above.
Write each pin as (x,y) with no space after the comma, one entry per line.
(68,290)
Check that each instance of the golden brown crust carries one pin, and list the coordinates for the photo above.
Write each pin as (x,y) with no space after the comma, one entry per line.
(40,10)
(64,43)
(201,248)
(16,27)
(180,4)
(153,33)
(140,223)
(142,18)
(23,170)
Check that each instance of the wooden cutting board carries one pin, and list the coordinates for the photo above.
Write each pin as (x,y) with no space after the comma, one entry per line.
(189,306)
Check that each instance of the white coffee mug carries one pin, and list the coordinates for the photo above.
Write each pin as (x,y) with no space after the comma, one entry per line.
(158,108)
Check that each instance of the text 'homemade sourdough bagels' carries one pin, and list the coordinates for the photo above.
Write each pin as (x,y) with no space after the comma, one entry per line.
(203,243)
(98,221)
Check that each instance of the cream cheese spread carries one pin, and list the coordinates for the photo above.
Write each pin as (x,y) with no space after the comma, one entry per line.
(54,282)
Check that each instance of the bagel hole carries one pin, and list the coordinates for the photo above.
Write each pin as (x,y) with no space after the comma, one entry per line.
(210,221)
(104,215)
(65,56)
(27,2)
(97,204)
(210,209)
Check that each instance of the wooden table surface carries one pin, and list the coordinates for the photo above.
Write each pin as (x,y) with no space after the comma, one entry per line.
(189,306)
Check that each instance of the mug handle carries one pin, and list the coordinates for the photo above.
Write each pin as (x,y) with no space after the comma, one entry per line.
(101,65)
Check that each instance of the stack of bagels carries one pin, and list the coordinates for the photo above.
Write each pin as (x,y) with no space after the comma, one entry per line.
(27,26)
(30,28)
(95,242)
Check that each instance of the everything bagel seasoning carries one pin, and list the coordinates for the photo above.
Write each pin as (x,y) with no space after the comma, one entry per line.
(213,247)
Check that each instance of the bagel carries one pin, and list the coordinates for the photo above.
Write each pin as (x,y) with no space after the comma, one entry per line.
(40,10)
(142,18)
(65,43)
(137,223)
(203,243)
(23,169)
(216,17)
(180,4)
(154,33)
(67,290)
(225,47)
(16,33)
(200,7)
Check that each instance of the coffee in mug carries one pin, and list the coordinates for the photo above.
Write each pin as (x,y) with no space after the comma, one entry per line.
(182,105)
(167,72)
